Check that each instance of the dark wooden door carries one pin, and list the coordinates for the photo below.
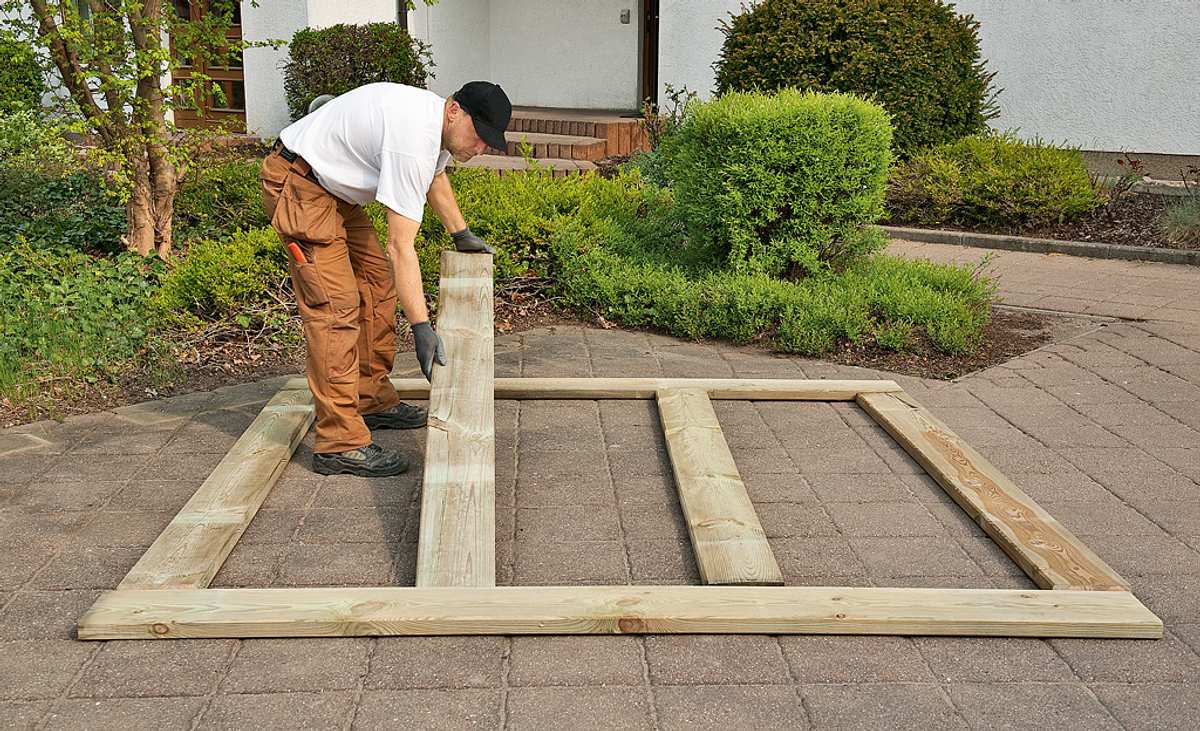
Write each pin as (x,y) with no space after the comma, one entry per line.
(649,60)
(229,107)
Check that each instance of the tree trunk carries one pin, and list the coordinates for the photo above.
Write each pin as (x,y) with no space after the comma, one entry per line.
(139,211)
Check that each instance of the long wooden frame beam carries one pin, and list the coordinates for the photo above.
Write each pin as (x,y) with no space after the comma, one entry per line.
(1069,605)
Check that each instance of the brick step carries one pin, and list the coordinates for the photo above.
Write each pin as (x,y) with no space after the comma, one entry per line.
(554,146)
(503,163)
(621,135)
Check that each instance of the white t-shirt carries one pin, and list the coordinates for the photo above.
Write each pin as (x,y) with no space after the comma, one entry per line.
(381,142)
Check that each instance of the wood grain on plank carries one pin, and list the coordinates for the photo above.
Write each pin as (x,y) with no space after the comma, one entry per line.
(727,538)
(355,611)
(1039,544)
(457,541)
(191,549)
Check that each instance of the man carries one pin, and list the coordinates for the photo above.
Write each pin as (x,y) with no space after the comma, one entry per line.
(390,143)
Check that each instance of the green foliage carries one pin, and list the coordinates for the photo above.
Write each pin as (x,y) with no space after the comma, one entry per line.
(53,211)
(782,183)
(219,200)
(66,314)
(1180,223)
(224,278)
(21,82)
(28,142)
(341,57)
(918,58)
(995,180)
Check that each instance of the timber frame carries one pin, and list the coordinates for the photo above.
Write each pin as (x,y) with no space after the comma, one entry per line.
(165,595)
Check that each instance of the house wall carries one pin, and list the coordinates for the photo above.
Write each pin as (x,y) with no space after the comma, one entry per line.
(1099,74)
(460,36)
(689,43)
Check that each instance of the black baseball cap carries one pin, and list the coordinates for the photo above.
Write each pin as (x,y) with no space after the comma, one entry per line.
(489,108)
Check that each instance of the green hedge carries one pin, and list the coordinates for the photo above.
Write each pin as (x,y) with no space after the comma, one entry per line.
(992,181)
(918,58)
(341,57)
(772,184)
(21,81)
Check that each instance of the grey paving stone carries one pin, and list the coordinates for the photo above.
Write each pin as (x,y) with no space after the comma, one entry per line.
(992,660)
(437,662)
(884,519)
(568,523)
(44,615)
(131,668)
(580,562)
(1146,555)
(344,493)
(22,715)
(715,660)
(1131,661)
(123,441)
(1072,486)
(109,528)
(1031,705)
(779,489)
(646,489)
(153,495)
(851,659)
(788,520)
(880,705)
(560,463)
(1151,706)
(726,707)
(540,491)
(653,521)
(361,525)
(19,563)
(820,461)
(86,568)
(578,708)
(583,660)
(825,556)
(279,711)
(71,496)
(1102,517)
(34,669)
(297,664)
(889,557)
(96,468)
(1172,598)
(429,709)
(23,527)
(121,714)
(336,564)
(663,562)
(179,466)
(252,565)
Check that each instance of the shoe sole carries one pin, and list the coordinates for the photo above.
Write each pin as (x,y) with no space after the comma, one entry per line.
(361,471)
(390,424)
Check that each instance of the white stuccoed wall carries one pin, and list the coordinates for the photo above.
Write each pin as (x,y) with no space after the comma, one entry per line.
(266,104)
(458,31)
(1100,74)
(689,42)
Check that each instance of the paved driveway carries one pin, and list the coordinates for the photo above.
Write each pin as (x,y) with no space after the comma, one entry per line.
(1103,430)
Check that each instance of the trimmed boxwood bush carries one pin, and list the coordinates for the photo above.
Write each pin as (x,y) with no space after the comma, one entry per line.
(991,181)
(918,58)
(220,278)
(771,184)
(21,82)
(341,57)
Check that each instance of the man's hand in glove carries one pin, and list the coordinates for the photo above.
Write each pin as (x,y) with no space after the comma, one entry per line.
(466,240)
(429,348)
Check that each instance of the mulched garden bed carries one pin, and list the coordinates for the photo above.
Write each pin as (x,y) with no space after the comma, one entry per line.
(222,360)
(1131,221)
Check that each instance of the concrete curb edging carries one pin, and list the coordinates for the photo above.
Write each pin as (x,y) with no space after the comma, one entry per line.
(1044,246)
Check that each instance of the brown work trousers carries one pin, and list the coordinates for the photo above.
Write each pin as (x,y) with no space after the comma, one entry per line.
(346,293)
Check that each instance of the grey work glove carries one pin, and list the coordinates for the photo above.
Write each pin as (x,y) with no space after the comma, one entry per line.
(466,240)
(429,348)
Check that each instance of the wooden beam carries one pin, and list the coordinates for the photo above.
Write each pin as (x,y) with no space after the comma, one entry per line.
(191,549)
(749,389)
(457,542)
(1039,544)
(729,542)
(516,610)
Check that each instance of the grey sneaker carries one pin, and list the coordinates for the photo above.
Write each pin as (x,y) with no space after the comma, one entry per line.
(369,461)
(400,416)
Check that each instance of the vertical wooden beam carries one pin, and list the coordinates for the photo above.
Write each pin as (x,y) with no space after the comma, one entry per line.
(190,550)
(729,542)
(458,502)
(1041,546)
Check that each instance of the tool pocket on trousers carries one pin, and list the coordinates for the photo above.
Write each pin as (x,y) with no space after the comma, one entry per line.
(308,284)
(305,211)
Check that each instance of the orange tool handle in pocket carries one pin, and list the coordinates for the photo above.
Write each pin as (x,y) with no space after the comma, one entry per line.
(297,254)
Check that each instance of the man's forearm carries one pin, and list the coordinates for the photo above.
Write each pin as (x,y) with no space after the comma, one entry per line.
(441,200)
(409,291)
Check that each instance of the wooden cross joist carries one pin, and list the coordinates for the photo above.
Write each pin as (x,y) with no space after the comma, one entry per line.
(166,594)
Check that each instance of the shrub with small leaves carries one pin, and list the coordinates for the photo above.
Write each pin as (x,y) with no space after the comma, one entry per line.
(994,180)
(918,58)
(218,200)
(339,58)
(772,184)
(50,211)
(21,81)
